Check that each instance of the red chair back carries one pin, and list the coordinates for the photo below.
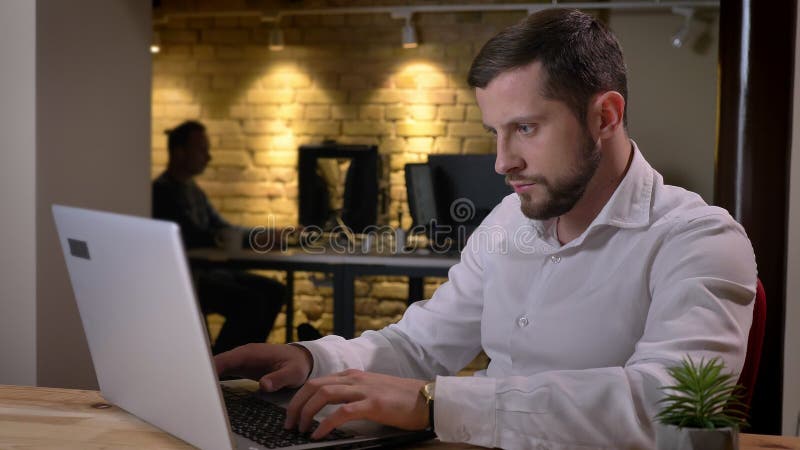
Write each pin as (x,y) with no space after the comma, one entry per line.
(754,343)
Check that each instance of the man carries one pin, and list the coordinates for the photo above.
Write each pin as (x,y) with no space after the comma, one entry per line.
(602,279)
(248,302)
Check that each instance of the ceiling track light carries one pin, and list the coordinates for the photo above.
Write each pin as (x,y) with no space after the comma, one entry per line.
(276,39)
(408,35)
(685,8)
(679,38)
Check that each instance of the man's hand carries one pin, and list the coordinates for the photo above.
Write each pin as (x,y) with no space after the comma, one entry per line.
(273,366)
(381,398)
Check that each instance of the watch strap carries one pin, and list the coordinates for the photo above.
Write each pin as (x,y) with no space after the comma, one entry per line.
(430,415)
(428,393)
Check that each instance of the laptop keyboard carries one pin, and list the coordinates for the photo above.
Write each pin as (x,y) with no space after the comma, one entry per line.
(262,421)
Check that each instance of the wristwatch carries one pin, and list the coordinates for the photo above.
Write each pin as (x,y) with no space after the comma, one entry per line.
(427,392)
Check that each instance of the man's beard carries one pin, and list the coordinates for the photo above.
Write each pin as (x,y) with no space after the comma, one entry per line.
(562,195)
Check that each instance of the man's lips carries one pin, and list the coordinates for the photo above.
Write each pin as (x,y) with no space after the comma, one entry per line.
(521,186)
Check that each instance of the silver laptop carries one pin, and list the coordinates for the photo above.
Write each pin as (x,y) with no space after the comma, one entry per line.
(149,344)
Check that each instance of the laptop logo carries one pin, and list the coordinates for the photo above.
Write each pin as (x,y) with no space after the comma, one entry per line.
(78,248)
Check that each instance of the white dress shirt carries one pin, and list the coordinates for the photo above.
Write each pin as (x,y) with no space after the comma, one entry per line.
(579,335)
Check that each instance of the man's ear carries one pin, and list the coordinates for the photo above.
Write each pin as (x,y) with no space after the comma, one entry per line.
(606,114)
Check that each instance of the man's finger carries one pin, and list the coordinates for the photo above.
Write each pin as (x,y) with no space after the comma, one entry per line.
(301,397)
(345,413)
(326,395)
(298,400)
(281,378)
(226,362)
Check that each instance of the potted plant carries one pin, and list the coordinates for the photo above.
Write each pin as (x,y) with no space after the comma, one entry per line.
(702,410)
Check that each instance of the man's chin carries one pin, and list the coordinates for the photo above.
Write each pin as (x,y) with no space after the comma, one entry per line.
(532,209)
(535,215)
(542,210)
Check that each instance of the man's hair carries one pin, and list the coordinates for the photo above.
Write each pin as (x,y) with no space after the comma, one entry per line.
(178,137)
(579,55)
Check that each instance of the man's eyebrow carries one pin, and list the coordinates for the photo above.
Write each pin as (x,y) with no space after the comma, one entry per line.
(534,118)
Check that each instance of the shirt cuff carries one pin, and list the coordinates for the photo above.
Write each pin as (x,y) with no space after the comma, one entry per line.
(327,359)
(465,410)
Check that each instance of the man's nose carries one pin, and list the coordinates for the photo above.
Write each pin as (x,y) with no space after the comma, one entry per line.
(507,160)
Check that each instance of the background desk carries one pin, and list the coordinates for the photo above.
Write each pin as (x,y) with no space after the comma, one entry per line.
(49,418)
(344,267)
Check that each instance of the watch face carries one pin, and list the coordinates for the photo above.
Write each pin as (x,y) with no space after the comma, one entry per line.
(430,390)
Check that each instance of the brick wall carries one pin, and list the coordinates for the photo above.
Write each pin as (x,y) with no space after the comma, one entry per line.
(342,77)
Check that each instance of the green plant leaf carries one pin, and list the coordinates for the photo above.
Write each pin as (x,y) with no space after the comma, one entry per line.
(703,396)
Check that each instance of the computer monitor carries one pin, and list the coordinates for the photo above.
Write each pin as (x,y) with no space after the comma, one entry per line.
(467,188)
(338,180)
(421,198)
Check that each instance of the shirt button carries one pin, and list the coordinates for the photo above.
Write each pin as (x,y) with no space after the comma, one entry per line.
(555,259)
(522,321)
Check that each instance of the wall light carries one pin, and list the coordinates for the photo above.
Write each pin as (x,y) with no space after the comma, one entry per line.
(155,45)
(679,38)
(276,39)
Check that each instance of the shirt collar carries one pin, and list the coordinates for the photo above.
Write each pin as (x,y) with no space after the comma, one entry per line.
(628,207)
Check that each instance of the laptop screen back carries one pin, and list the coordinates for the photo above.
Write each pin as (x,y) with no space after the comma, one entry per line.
(145,332)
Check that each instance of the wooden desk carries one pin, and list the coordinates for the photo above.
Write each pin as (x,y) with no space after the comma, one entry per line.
(345,267)
(49,418)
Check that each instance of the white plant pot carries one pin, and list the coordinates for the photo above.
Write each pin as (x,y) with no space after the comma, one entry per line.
(670,437)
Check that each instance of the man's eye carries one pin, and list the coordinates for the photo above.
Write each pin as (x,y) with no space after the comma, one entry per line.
(492,132)
(525,128)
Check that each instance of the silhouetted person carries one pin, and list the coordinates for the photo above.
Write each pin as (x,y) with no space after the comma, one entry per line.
(248,302)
